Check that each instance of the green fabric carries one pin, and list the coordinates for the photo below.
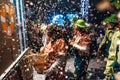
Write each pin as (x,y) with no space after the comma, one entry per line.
(107,37)
(74,19)
(112,54)
(119,37)
(111,19)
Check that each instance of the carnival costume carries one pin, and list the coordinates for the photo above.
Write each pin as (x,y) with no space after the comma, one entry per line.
(81,49)
(113,50)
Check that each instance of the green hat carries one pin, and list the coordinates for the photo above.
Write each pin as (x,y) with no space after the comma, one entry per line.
(111,19)
(80,23)
(74,19)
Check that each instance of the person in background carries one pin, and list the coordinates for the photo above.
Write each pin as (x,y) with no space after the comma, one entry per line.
(113,50)
(106,41)
(100,32)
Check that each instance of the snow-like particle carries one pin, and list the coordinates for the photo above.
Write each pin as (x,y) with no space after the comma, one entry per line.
(27,69)
(25,65)
(61,73)
(66,77)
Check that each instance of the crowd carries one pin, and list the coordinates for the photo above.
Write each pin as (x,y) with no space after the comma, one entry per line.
(52,46)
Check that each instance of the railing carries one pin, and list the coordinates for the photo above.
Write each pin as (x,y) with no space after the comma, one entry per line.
(6,72)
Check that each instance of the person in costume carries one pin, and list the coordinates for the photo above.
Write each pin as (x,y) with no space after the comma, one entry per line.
(113,50)
(106,42)
(58,55)
(81,47)
(51,60)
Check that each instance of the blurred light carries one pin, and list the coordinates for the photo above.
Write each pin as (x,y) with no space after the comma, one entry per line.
(31,3)
(104,23)
(84,9)
(59,20)
(118,15)
(70,18)
(104,5)
(26,5)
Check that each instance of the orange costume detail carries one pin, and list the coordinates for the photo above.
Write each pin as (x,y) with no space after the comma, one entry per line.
(7,16)
(48,55)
